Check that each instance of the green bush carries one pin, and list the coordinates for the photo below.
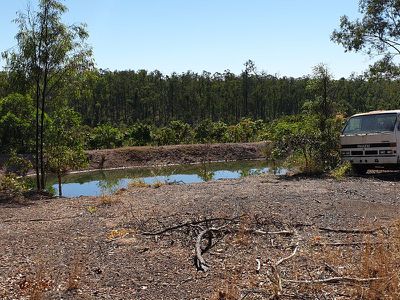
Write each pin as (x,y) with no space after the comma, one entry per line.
(245,131)
(139,134)
(17,117)
(342,171)
(163,136)
(177,132)
(210,132)
(183,133)
(11,186)
(105,137)
(301,142)
(17,164)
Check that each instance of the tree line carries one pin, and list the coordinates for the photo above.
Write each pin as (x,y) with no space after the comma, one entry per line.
(123,98)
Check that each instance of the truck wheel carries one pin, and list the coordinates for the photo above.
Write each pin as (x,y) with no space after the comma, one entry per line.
(359,170)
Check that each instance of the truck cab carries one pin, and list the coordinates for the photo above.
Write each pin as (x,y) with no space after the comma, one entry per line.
(371,141)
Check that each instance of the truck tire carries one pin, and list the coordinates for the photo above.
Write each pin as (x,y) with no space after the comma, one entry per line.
(359,169)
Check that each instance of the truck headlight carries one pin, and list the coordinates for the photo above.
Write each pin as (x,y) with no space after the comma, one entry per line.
(385,151)
(345,153)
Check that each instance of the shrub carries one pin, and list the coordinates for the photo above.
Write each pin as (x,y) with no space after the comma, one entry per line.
(105,137)
(300,139)
(139,134)
(243,132)
(17,164)
(11,186)
(177,132)
(17,115)
(210,132)
(182,132)
(163,136)
(342,171)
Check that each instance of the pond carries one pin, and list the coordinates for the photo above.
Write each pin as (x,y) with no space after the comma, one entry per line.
(96,183)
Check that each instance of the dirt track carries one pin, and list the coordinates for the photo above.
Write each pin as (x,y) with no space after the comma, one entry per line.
(96,248)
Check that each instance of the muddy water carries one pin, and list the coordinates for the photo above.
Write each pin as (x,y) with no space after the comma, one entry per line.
(107,182)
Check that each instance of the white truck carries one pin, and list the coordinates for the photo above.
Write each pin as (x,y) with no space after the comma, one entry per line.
(372,140)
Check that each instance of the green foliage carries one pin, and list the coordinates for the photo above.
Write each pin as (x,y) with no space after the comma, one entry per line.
(182,132)
(245,131)
(65,145)
(376,33)
(48,57)
(11,186)
(300,140)
(177,132)
(298,137)
(210,132)
(18,164)
(105,137)
(17,117)
(139,134)
(163,136)
(342,171)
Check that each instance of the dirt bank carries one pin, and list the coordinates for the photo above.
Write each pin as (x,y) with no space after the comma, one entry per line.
(174,154)
(140,243)
(167,155)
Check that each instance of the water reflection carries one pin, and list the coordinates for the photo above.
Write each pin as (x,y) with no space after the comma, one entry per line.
(107,182)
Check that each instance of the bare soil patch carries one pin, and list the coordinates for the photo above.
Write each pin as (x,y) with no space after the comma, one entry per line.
(266,236)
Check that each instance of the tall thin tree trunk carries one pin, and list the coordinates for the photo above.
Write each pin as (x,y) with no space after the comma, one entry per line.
(44,91)
(37,165)
(42,164)
(59,185)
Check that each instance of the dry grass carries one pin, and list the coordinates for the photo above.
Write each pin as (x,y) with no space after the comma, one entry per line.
(158,184)
(108,200)
(36,285)
(352,258)
(75,274)
(138,184)
(118,233)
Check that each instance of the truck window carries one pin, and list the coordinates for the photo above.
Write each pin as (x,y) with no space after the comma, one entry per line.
(370,123)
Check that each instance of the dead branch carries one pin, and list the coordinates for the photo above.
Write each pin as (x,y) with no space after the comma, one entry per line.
(283,232)
(355,231)
(41,219)
(190,223)
(282,260)
(199,260)
(275,277)
(338,244)
(332,269)
(335,280)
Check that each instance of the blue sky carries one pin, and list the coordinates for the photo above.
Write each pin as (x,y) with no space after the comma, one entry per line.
(284,37)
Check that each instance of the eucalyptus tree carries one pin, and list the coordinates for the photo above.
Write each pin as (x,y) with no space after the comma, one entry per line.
(376,33)
(48,54)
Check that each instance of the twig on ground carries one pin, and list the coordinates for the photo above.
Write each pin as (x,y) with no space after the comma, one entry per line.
(355,231)
(190,223)
(275,277)
(41,219)
(283,232)
(335,280)
(338,244)
(332,269)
